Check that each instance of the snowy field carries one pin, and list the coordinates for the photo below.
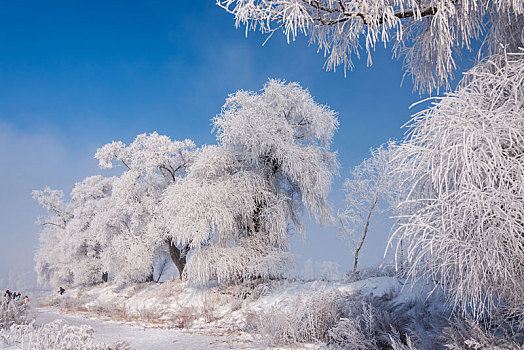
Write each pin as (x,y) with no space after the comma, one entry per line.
(173,316)
(372,313)
(287,314)
(110,332)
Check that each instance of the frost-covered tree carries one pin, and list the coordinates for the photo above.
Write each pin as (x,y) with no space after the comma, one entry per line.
(152,163)
(464,222)
(372,189)
(242,197)
(232,204)
(91,197)
(429,34)
(69,252)
(48,268)
(106,227)
(129,252)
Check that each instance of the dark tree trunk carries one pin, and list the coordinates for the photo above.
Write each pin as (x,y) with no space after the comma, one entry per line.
(178,255)
(150,277)
(257,217)
(104,276)
(161,269)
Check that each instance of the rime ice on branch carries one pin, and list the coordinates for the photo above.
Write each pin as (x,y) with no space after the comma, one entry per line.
(464,218)
(428,34)
(371,189)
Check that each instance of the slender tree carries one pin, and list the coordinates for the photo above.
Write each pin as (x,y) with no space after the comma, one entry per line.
(372,189)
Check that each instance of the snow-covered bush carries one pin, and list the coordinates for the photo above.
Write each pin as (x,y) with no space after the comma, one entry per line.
(169,288)
(69,301)
(253,289)
(371,271)
(108,309)
(14,311)
(394,320)
(463,223)
(388,322)
(305,319)
(366,325)
(468,334)
(58,335)
(184,318)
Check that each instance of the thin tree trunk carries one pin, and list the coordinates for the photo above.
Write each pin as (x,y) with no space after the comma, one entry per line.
(150,277)
(178,255)
(161,270)
(365,233)
(401,258)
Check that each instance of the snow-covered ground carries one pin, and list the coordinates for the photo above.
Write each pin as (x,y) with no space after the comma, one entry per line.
(173,305)
(139,338)
(171,315)
(288,313)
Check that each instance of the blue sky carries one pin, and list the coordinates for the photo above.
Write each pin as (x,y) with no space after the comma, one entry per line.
(75,75)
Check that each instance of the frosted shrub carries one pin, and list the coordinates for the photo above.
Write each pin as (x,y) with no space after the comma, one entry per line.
(208,309)
(236,304)
(467,334)
(304,320)
(184,318)
(257,289)
(169,289)
(110,309)
(149,314)
(14,312)
(370,272)
(57,335)
(387,323)
(69,301)
(397,344)
(367,327)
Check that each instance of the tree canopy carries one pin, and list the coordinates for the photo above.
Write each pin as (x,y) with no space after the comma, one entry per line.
(226,210)
(463,219)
